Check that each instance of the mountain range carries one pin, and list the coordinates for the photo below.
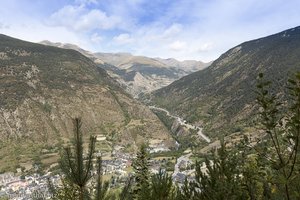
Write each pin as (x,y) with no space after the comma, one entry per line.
(139,74)
(44,85)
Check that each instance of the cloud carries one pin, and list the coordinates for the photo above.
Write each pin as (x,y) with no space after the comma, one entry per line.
(177,46)
(193,29)
(86,2)
(172,30)
(79,18)
(96,19)
(205,47)
(37,32)
(66,16)
(123,38)
(96,38)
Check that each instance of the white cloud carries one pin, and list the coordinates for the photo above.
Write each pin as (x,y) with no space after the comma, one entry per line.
(66,16)
(96,38)
(36,32)
(172,30)
(86,2)
(79,18)
(177,46)
(123,38)
(96,19)
(190,29)
(205,47)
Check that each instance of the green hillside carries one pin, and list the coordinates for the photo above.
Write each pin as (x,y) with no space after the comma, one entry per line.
(222,96)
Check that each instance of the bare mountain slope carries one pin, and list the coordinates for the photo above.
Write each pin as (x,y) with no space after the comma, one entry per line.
(43,87)
(139,74)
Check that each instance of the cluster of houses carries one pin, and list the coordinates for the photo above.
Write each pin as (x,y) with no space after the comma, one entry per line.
(116,165)
(185,171)
(26,187)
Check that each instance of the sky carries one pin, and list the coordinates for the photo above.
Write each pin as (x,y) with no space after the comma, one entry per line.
(181,29)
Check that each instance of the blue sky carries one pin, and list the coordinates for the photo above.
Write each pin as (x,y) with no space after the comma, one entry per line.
(182,29)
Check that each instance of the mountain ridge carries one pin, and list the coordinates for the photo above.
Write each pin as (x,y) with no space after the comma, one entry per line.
(44,87)
(156,72)
(222,97)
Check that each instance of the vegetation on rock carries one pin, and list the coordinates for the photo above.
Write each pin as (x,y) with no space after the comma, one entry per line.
(222,96)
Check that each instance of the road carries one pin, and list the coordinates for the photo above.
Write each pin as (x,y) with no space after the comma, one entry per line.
(183,122)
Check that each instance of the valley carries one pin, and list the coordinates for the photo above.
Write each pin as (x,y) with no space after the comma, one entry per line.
(44,87)
(183,123)
(194,118)
(138,75)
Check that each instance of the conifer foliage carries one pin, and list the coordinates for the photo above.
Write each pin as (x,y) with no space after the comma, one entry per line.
(150,187)
(219,179)
(161,187)
(267,169)
(77,170)
(142,175)
(101,187)
(281,122)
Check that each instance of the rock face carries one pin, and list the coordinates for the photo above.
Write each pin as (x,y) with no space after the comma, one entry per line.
(139,74)
(222,96)
(43,87)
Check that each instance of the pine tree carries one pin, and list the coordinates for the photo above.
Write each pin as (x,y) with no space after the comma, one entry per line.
(161,187)
(185,191)
(254,178)
(282,126)
(77,170)
(65,192)
(126,191)
(141,177)
(102,187)
(221,178)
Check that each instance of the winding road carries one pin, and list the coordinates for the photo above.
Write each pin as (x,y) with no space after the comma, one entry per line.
(183,122)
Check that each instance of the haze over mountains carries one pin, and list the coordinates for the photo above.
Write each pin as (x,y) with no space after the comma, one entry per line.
(139,74)
(221,98)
